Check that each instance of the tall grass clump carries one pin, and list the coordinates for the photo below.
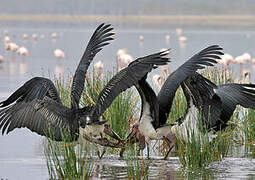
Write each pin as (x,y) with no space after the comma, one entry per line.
(249,125)
(201,148)
(66,160)
(136,168)
(249,132)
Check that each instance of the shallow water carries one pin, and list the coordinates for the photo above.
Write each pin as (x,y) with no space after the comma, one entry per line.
(22,151)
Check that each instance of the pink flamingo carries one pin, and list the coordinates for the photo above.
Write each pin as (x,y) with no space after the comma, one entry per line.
(1,59)
(141,38)
(11,47)
(183,39)
(179,31)
(25,37)
(99,65)
(226,59)
(123,58)
(59,53)
(23,51)
(34,37)
(7,39)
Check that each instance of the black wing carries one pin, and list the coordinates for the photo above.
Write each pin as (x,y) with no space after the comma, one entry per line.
(39,116)
(100,38)
(35,88)
(206,57)
(148,96)
(200,92)
(234,94)
(125,79)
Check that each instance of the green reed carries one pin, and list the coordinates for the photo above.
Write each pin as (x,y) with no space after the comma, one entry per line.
(136,168)
(67,160)
(199,150)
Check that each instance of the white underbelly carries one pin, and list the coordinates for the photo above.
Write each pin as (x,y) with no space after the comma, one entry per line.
(146,128)
(190,127)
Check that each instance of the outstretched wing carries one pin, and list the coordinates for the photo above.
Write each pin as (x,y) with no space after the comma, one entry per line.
(206,57)
(35,88)
(38,115)
(100,38)
(234,94)
(200,92)
(125,79)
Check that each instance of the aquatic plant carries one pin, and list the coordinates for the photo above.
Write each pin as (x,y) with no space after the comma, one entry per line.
(136,168)
(67,160)
(200,150)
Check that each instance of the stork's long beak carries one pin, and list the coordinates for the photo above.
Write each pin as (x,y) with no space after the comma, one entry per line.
(170,139)
(103,141)
(135,135)
(111,133)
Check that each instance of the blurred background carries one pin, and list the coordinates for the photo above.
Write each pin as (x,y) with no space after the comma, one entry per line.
(47,38)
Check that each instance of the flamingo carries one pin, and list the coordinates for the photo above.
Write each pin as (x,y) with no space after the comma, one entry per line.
(54,35)
(123,58)
(226,59)
(183,39)
(141,38)
(167,37)
(7,39)
(25,37)
(34,37)
(23,51)
(1,59)
(59,54)
(99,65)
(179,31)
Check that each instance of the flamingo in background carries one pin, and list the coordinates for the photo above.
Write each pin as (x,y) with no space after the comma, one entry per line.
(179,31)
(123,58)
(23,51)
(59,54)
(1,59)
(226,59)
(99,65)
(25,37)
(167,37)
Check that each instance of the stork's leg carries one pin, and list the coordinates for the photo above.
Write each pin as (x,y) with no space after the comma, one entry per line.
(98,153)
(130,142)
(104,149)
(170,139)
(148,151)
